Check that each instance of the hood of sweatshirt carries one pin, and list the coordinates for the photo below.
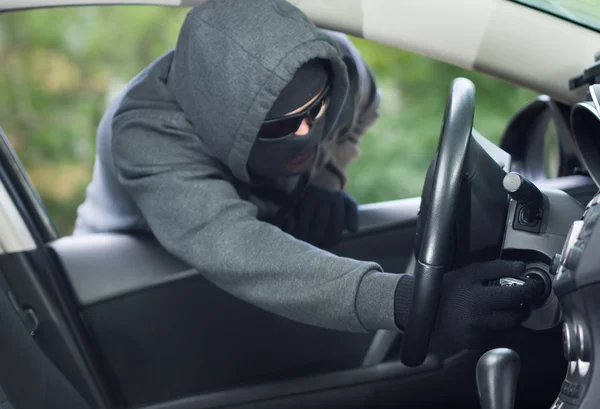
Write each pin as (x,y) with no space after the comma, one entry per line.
(232,60)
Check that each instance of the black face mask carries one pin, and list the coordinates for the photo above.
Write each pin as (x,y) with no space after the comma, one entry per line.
(288,156)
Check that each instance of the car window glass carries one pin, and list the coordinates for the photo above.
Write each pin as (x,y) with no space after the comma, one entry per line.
(398,149)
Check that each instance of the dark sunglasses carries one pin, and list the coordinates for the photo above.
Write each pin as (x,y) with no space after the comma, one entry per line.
(287,125)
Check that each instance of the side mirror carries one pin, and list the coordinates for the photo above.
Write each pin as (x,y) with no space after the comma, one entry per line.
(540,141)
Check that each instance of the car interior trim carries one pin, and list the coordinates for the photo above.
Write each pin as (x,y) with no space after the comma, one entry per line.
(436,28)
(376,216)
(313,384)
(521,45)
(339,15)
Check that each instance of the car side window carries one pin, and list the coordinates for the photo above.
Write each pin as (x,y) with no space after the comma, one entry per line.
(58,76)
(400,146)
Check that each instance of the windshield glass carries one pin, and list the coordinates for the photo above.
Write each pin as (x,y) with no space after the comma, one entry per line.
(584,12)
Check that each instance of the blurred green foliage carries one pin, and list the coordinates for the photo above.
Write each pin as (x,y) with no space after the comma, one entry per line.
(61,66)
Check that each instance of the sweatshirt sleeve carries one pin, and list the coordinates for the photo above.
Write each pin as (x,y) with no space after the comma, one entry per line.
(196,214)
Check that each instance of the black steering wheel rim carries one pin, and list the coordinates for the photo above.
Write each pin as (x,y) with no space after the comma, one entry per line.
(435,253)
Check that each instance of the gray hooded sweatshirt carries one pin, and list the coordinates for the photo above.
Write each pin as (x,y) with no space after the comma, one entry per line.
(172,153)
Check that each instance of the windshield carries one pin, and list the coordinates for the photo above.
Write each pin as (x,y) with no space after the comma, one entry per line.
(584,12)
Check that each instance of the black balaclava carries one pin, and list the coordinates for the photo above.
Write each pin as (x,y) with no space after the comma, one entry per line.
(292,154)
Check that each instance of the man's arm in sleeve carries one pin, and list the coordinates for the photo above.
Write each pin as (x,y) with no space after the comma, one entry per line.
(196,214)
(361,112)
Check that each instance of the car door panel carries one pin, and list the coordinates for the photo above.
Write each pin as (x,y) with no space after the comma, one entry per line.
(354,388)
(166,332)
(188,337)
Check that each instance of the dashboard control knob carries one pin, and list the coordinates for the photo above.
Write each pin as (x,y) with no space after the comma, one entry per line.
(583,343)
(569,348)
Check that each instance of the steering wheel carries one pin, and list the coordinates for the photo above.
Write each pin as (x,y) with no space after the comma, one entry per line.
(437,221)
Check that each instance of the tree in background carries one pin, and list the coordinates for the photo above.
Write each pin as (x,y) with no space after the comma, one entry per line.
(61,67)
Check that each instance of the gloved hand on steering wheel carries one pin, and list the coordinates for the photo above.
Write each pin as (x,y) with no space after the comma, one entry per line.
(322,215)
(471,313)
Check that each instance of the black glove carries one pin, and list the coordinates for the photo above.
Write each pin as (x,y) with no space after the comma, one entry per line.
(471,313)
(322,215)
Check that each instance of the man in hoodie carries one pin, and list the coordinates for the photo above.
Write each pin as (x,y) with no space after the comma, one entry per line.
(232,148)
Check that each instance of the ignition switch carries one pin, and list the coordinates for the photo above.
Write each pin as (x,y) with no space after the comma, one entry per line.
(545,308)
(541,283)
